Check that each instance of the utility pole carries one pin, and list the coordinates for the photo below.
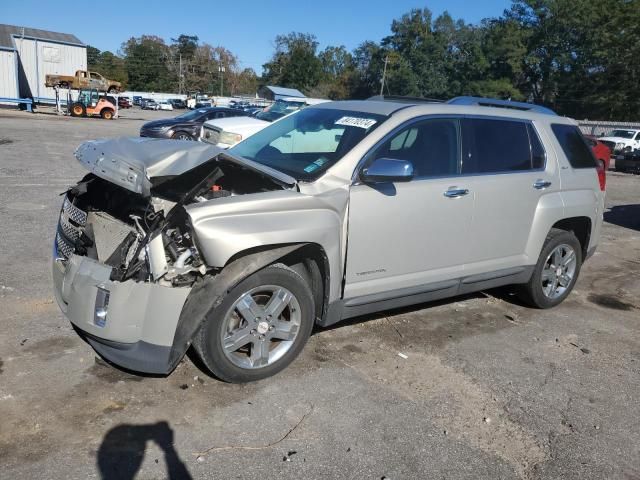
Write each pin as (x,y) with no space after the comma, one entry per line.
(180,80)
(221,70)
(384,75)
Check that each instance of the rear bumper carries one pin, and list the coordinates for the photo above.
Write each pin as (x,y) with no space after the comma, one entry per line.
(628,165)
(138,330)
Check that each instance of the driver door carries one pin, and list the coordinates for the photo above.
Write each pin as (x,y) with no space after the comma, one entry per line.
(405,236)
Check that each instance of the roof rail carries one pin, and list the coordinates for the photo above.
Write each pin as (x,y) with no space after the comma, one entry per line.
(402,99)
(493,102)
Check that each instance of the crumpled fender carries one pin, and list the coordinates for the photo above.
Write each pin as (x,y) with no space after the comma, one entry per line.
(210,292)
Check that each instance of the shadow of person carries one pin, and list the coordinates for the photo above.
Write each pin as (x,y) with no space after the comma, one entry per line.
(122,451)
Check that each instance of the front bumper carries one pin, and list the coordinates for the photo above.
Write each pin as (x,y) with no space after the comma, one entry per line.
(156,133)
(141,319)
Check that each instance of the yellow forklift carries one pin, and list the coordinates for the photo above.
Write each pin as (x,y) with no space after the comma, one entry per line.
(90,103)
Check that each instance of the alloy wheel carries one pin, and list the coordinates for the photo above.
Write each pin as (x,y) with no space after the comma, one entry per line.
(558,271)
(261,326)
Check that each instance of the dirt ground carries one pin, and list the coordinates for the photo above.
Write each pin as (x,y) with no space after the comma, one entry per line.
(488,389)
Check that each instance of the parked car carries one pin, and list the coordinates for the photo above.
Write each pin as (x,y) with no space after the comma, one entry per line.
(186,126)
(124,102)
(601,151)
(225,133)
(178,103)
(137,99)
(165,105)
(621,139)
(83,80)
(149,104)
(628,161)
(239,253)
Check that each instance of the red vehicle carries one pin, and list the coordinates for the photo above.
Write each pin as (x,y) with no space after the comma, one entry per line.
(123,102)
(600,150)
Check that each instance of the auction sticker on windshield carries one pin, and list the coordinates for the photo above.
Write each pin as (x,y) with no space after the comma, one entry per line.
(365,123)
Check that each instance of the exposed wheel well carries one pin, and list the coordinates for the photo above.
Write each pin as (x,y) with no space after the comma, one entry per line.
(581,228)
(311,262)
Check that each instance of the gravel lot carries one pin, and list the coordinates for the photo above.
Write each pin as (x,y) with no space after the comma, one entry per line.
(489,388)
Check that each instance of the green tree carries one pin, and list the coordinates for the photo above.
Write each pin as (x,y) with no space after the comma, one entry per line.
(147,62)
(294,63)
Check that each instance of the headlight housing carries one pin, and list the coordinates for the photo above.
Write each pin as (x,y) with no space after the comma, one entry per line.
(229,138)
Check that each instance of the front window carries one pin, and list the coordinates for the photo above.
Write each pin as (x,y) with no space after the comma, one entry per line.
(279,110)
(305,144)
(192,115)
(623,133)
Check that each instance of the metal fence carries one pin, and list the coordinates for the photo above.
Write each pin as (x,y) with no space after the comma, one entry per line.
(594,127)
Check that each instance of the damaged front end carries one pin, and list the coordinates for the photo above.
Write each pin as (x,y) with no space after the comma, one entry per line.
(125,255)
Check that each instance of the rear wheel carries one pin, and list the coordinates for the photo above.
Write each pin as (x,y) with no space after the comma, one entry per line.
(260,327)
(556,272)
(182,136)
(106,113)
(112,90)
(78,110)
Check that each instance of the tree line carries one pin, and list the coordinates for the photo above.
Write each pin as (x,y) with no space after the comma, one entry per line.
(579,57)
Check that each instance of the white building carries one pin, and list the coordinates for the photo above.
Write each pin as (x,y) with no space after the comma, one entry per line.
(27,55)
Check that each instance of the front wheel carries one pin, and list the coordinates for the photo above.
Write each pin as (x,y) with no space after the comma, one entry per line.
(259,328)
(182,136)
(78,110)
(556,272)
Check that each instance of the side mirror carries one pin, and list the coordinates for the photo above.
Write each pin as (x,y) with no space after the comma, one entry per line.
(383,170)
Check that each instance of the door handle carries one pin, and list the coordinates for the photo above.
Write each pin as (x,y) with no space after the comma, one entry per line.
(541,184)
(454,192)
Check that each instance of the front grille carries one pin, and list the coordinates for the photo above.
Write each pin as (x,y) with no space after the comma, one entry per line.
(72,221)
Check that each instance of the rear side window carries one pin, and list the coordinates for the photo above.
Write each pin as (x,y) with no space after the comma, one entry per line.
(574,146)
(495,145)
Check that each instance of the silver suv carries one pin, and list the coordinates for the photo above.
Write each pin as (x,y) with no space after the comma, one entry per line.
(337,211)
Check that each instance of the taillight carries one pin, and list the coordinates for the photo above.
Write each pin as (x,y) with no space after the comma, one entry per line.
(602,176)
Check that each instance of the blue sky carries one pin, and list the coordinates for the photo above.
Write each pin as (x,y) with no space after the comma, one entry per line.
(246,27)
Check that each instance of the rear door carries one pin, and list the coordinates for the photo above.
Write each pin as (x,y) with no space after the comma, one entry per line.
(505,166)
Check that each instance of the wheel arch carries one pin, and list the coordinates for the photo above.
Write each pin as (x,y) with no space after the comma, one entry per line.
(308,259)
(580,227)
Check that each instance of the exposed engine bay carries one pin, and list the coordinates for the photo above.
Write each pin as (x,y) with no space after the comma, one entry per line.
(149,238)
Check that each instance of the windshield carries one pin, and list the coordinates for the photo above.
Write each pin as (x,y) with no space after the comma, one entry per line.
(279,110)
(192,115)
(305,144)
(623,133)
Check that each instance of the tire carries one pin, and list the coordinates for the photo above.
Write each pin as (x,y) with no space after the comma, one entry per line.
(106,113)
(112,90)
(78,110)
(284,336)
(539,292)
(182,136)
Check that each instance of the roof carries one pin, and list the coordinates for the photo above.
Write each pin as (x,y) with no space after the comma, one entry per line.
(388,108)
(7,32)
(287,92)
(365,106)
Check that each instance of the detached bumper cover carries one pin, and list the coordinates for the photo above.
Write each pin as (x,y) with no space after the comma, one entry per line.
(141,319)
(140,356)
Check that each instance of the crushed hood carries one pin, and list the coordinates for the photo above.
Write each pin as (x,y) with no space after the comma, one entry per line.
(132,162)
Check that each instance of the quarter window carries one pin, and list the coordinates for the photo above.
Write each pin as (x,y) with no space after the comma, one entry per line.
(432,146)
(573,145)
(495,145)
